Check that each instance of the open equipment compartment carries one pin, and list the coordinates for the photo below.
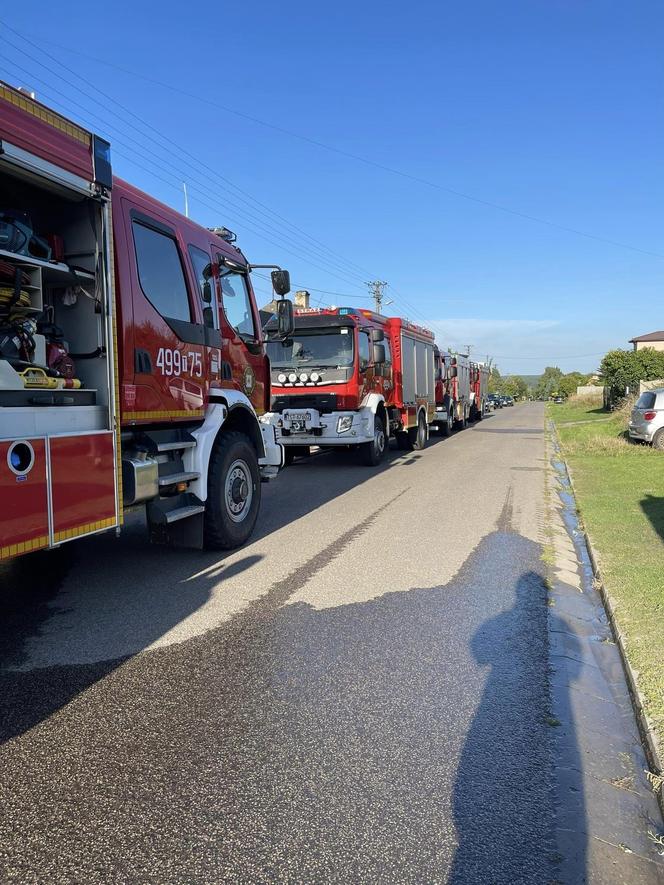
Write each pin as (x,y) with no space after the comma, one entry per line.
(58,418)
(53,336)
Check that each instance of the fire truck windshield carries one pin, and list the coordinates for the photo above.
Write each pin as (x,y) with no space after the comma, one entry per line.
(312,348)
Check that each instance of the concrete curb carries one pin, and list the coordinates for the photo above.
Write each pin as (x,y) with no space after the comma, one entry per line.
(647,732)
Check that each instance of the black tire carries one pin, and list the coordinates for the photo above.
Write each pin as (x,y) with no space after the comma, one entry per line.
(372,453)
(447,428)
(233,480)
(658,440)
(418,435)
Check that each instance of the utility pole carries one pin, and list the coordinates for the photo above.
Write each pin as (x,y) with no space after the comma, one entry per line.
(468,347)
(376,288)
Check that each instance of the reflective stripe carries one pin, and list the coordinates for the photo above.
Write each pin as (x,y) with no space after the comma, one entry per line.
(45,115)
(23,547)
(184,413)
(85,529)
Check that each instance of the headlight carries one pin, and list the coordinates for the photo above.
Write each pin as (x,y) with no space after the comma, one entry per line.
(344,423)
(281,378)
(304,377)
(292,377)
(315,377)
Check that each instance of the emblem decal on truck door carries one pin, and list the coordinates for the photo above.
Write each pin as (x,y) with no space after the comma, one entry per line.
(248,380)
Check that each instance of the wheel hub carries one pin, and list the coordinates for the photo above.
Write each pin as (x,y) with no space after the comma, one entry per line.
(238,491)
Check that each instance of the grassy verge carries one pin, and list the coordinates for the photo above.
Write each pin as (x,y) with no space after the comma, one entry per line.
(620,495)
(578,409)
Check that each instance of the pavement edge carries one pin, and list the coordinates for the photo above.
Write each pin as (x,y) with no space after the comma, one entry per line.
(646,730)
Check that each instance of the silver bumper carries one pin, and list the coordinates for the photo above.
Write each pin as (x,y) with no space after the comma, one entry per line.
(323,430)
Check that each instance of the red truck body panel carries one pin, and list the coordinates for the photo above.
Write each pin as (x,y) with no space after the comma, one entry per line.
(37,129)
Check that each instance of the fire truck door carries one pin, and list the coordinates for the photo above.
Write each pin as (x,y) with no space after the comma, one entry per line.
(366,372)
(243,358)
(170,337)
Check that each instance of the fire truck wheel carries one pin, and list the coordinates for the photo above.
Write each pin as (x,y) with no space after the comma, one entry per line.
(419,438)
(448,427)
(373,452)
(234,492)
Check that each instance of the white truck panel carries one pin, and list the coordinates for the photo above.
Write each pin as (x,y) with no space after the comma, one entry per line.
(418,369)
(408,368)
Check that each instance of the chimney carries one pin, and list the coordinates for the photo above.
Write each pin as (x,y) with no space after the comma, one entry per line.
(301,298)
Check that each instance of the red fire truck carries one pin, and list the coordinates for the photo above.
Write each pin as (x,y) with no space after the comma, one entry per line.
(461,390)
(453,391)
(353,378)
(132,364)
(479,389)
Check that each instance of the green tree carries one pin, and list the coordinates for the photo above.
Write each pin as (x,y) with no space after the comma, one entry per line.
(494,380)
(621,370)
(548,383)
(513,385)
(568,383)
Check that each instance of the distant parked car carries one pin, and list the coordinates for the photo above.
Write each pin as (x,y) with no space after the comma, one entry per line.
(646,422)
(494,401)
(508,400)
(559,400)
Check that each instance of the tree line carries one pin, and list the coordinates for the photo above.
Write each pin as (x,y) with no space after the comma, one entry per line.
(552,382)
(620,371)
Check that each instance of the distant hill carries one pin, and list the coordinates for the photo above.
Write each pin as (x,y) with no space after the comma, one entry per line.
(531,380)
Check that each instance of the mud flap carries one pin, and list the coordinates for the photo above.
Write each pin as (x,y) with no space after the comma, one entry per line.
(274,458)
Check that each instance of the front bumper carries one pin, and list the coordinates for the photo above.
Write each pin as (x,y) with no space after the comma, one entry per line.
(321,429)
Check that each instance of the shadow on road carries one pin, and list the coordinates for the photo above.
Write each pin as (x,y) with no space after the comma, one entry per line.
(406,738)
(653,507)
(125,597)
(498,824)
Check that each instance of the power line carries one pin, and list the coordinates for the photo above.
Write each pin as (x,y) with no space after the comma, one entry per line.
(165,138)
(176,180)
(367,161)
(178,170)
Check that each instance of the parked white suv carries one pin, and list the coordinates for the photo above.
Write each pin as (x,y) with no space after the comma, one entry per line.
(647,420)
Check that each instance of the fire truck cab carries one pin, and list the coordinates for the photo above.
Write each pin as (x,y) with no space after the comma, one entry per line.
(352,378)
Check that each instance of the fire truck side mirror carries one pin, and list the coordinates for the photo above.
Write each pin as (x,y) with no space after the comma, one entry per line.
(281,282)
(378,354)
(207,292)
(285,319)
(377,335)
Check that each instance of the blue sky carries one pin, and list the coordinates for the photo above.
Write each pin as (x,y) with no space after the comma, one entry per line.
(550,109)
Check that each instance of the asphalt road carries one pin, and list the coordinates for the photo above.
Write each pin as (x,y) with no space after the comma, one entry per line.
(359,695)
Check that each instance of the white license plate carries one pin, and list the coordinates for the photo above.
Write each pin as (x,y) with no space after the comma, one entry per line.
(298,421)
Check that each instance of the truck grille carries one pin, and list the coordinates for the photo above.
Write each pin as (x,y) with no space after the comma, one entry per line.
(323,402)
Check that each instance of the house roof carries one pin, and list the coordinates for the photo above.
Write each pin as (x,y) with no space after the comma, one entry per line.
(651,336)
